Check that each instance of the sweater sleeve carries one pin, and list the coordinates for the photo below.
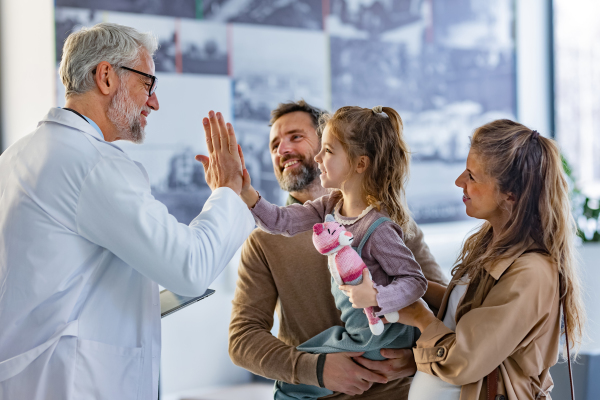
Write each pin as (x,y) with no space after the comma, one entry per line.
(289,220)
(388,249)
(512,315)
(251,344)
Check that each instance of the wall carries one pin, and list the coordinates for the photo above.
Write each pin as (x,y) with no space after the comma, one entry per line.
(27,72)
(534,65)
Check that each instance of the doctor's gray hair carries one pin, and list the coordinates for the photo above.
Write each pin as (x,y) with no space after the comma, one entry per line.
(84,50)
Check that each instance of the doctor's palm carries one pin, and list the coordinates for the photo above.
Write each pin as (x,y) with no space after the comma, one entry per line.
(223,166)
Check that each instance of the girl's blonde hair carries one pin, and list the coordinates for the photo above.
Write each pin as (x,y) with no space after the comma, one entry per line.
(530,167)
(377,135)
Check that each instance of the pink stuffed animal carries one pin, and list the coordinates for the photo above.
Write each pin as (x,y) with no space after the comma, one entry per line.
(345,265)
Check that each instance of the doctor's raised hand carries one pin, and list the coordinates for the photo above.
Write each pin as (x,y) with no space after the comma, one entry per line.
(222,166)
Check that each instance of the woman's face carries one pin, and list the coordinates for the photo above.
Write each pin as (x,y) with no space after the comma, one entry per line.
(481,195)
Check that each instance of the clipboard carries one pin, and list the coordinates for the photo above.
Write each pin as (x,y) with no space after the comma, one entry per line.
(171,302)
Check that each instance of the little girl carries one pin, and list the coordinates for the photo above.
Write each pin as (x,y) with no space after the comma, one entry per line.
(365,160)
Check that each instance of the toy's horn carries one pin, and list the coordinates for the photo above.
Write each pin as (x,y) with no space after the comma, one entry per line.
(318,228)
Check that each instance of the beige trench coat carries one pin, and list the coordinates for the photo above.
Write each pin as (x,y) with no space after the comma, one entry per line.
(516,327)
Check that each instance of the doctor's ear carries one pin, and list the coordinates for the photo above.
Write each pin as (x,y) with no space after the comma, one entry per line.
(105,77)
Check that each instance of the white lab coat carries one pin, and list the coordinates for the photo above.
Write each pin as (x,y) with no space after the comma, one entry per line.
(83,245)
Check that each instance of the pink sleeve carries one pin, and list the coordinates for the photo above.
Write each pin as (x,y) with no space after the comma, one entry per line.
(290,220)
(387,248)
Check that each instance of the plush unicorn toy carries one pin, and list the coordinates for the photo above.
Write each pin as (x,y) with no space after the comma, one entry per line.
(345,265)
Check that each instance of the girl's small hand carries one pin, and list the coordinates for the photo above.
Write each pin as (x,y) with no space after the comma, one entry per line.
(248,193)
(417,314)
(364,294)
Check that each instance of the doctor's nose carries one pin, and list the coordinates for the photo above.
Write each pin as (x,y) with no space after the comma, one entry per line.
(153,102)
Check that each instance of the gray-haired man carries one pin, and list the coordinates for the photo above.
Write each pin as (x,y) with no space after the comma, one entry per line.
(83,243)
(287,275)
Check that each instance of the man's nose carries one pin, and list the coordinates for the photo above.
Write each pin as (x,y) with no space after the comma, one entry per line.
(284,148)
(153,102)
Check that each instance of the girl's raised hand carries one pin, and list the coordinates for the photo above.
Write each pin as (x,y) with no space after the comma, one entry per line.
(248,193)
(362,295)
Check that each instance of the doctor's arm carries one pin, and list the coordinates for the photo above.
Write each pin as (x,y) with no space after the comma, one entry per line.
(117,211)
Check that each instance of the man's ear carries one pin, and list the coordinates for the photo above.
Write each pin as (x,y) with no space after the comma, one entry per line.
(362,164)
(105,78)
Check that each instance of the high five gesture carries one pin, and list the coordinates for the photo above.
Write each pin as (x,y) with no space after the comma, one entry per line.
(222,166)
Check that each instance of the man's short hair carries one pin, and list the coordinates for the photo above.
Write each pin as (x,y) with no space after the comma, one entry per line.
(84,50)
(300,105)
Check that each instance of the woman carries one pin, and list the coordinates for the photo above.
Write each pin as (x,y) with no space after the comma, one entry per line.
(500,316)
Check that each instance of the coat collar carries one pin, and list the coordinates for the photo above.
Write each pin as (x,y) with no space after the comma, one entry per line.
(72,120)
(497,268)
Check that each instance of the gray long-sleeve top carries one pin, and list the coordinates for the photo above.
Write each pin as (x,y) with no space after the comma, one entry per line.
(398,278)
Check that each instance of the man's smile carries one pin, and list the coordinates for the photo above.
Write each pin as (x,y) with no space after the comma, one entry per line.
(290,164)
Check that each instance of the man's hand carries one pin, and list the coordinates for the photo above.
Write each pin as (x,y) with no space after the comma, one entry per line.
(342,374)
(223,166)
(400,363)
(362,295)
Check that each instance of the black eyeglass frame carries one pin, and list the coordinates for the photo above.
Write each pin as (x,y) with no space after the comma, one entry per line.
(154,83)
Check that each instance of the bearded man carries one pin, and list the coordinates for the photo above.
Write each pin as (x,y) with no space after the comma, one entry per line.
(289,276)
(84,245)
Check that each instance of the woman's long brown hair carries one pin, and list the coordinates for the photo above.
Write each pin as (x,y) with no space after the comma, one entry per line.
(362,132)
(529,166)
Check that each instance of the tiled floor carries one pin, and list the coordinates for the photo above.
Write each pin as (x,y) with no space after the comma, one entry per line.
(251,391)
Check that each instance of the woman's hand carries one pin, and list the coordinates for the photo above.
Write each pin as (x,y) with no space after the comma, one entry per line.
(417,314)
(364,294)
(434,294)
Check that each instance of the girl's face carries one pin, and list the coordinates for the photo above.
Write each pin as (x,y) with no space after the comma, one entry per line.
(333,162)
(481,195)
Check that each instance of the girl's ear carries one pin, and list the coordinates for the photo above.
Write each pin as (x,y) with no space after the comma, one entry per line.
(362,164)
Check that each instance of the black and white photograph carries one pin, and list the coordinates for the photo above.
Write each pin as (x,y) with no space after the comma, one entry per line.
(164,28)
(293,66)
(68,20)
(203,47)
(174,136)
(446,67)
(172,8)
(305,14)
(372,17)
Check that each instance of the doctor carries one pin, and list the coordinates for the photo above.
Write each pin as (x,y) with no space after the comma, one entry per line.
(83,244)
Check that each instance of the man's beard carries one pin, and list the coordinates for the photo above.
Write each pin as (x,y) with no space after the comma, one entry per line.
(125,116)
(299,178)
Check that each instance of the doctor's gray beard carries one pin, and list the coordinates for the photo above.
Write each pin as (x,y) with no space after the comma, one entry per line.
(125,115)
(298,180)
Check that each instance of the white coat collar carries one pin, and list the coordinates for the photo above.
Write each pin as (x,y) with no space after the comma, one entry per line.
(70,119)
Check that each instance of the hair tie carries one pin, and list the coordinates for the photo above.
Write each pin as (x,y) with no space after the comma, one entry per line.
(534,135)
(377,109)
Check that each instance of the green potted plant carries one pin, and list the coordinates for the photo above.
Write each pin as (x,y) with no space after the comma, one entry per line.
(586,210)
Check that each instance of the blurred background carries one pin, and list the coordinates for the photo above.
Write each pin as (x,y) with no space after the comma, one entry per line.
(447,66)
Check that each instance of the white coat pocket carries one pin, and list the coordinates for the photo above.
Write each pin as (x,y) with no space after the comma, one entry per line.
(106,372)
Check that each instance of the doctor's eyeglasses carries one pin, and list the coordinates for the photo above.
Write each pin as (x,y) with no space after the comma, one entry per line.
(153,84)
